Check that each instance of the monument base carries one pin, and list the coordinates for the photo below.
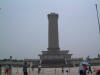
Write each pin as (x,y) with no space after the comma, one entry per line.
(55,58)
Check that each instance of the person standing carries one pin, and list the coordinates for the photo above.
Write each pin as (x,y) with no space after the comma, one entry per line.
(0,69)
(62,69)
(81,69)
(85,68)
(10,70)
(32,67)
(39,68)
(6,69)
(25,66)
(66,73)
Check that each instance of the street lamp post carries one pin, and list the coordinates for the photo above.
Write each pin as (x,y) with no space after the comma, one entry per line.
(97,16)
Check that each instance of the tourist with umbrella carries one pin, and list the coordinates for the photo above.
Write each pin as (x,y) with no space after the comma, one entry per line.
(85,64)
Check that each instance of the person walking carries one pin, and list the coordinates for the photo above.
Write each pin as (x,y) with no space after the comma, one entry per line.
(25,66)
(89,70)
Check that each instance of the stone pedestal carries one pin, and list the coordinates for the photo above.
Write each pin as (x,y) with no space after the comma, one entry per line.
(55,57)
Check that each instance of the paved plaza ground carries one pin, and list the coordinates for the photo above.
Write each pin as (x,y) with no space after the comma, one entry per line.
(45,71)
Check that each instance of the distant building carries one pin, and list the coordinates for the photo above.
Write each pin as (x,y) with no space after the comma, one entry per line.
(13,62)
(76,61)
(33,62)
(94,61)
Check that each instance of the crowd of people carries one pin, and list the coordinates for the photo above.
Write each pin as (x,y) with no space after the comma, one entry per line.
(84,69)
(25,72)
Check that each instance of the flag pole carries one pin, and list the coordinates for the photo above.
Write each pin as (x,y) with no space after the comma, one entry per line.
(98,16)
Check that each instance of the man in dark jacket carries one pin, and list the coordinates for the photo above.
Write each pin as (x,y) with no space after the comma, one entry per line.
(25,66)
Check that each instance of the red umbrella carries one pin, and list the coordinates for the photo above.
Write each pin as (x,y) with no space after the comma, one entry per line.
(96,69)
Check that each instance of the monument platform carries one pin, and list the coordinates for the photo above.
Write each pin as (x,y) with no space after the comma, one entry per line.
(55,58)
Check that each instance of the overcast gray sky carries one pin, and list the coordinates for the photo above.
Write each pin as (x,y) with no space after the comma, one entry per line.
(24,27)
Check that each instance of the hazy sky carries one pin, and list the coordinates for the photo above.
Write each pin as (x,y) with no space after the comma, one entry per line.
(24,27)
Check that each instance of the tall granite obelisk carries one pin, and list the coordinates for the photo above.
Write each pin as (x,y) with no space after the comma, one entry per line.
(54,56)
(53,41)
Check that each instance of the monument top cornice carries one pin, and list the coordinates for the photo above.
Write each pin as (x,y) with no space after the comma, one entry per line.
(53,14)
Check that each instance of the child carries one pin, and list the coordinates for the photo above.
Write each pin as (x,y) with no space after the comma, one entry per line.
(66,73)
(6,69)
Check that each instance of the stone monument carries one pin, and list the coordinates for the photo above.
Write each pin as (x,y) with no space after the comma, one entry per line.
(53,55)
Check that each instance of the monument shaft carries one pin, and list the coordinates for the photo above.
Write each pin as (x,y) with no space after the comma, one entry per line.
(53,42)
